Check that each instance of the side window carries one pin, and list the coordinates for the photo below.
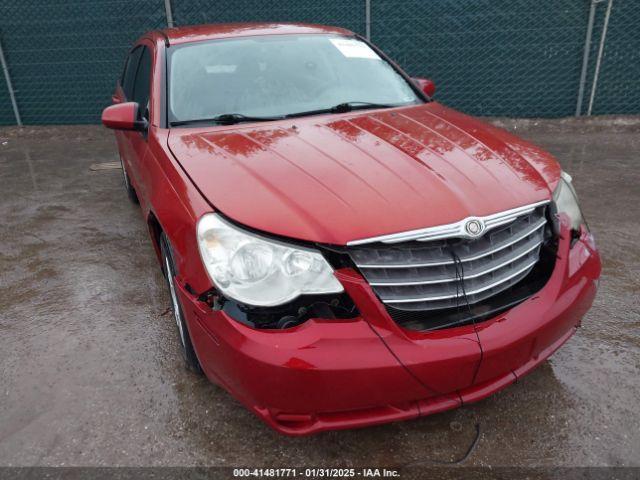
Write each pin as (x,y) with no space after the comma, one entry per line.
(129,73)
(124,70)
(142,83)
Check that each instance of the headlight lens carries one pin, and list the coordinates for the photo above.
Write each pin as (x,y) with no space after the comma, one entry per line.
(258,271)
(566,201)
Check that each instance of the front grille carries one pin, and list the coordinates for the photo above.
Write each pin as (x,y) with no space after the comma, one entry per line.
(425,276)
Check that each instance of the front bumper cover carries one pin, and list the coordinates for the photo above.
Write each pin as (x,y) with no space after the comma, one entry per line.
(325,375)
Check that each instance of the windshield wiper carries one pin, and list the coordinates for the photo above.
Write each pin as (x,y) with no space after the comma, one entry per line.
(226,119)
(343,108)
(233,118)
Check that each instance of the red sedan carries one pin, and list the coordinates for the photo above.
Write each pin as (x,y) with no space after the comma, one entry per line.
(341,250)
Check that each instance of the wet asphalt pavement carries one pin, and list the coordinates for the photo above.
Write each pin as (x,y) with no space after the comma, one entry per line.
(90,370)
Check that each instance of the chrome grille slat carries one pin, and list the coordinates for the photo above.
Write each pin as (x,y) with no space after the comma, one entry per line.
(511,242)
(436,305)
(420,274)
(451,230)
(466,276)
(472,292)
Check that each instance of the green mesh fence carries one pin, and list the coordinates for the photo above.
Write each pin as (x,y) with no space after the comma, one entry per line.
(490,57)
(349,14)
(6,113)
(519,58)
(65,55)
(618,88)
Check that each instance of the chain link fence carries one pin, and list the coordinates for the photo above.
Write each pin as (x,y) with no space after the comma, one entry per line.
(518,58)
(64,56)
(618,86)
(492,57)
(345,13)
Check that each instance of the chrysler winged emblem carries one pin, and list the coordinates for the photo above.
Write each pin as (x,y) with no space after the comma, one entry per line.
(474,227)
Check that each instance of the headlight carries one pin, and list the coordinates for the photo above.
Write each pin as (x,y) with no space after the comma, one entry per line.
(258,271)
(566,201)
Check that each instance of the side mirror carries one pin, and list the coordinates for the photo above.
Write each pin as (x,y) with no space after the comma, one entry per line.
(123,116)
(427,86)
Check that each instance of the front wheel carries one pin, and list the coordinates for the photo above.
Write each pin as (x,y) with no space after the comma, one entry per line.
(168,266)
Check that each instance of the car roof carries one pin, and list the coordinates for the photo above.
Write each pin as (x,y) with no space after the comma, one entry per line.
(196,33)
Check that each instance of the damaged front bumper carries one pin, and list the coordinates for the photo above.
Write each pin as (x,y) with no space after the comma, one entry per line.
(328,374)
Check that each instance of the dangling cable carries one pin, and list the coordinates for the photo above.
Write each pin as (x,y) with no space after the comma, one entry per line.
(459,271)
(457,461)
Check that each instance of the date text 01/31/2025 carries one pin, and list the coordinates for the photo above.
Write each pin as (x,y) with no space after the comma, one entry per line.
(315,472)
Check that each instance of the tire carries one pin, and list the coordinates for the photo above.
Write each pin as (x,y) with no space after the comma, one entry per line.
(188,353)
(131,193)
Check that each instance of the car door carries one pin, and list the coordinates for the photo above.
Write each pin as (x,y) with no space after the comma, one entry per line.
(137,140)
(124,93)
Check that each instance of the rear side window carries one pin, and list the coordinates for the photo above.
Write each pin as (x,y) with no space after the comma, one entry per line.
(129,73)
(143,82)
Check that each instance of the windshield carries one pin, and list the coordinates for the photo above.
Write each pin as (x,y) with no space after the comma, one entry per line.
(272,76)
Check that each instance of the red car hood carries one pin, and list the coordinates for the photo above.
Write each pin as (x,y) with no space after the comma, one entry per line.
(337,178)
